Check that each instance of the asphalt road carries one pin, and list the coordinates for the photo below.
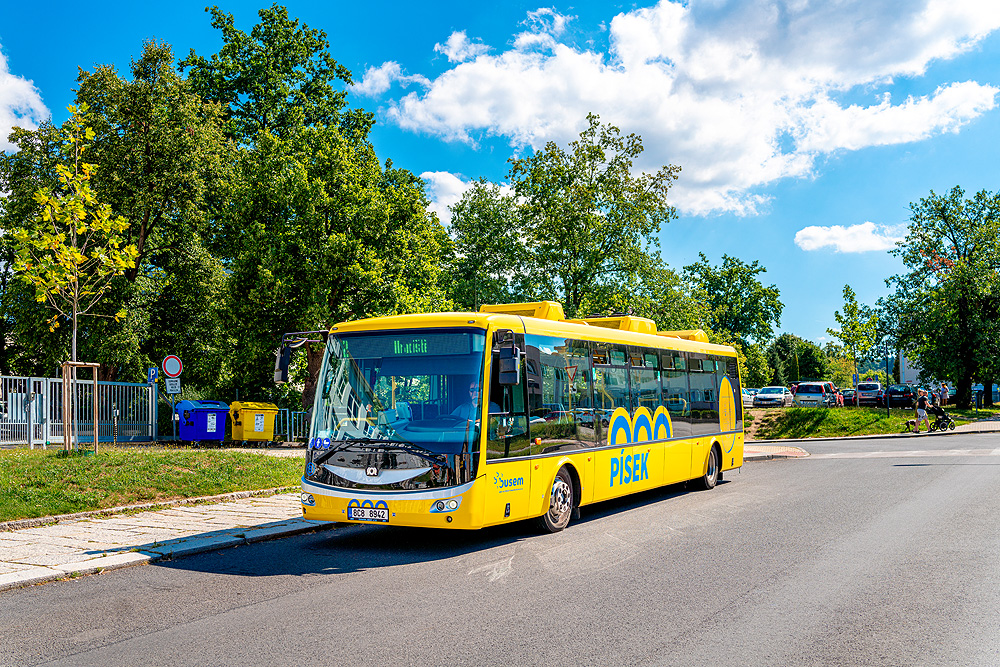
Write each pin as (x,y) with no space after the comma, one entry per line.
(865,553)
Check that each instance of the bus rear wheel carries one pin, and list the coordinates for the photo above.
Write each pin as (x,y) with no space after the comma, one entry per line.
(560,503)
(711,476)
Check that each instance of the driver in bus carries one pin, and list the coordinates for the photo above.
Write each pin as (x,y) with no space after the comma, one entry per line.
(470,408)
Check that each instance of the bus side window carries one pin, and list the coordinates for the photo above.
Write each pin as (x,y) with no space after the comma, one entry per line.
(674,381)
(506,429)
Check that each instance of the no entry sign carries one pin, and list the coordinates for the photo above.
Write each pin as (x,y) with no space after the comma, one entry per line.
(172,366)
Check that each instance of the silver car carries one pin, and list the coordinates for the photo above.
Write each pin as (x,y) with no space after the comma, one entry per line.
(815,394)
(770,397)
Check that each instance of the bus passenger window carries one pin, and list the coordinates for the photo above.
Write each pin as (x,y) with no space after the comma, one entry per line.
(674,380)
(506,423)
(704,395)
(559,394)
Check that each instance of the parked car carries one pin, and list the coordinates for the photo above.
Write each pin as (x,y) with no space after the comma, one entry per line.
(850,396)
(747,398)
(838,400)
(901,396)
(769,397)
(815,395)
(869,393)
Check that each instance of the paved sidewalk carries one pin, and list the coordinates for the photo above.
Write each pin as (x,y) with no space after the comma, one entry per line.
(92,544)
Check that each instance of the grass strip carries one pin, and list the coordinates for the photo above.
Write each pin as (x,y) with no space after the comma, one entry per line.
(778,423)
(38,483)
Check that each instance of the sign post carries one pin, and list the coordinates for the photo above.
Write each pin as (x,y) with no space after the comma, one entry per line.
(172,368)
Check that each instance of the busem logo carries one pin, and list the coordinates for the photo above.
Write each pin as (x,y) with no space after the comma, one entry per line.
(505,484)
(628,469)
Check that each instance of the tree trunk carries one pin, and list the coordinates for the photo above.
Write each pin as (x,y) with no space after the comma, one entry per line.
(314,359)
(988,392)
(963,397)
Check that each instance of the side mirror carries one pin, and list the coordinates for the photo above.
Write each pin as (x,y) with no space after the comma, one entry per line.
(510,359)
(284,356)
(289,342)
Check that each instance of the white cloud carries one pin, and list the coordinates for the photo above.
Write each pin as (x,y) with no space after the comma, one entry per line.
(863,237)
(740,93)
(377,80)
(444,190)
(20,104)
(458,48)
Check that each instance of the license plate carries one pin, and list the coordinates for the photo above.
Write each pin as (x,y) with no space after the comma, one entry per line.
(367,514)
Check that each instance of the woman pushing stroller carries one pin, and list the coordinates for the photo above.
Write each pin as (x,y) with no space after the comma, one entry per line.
(942,420)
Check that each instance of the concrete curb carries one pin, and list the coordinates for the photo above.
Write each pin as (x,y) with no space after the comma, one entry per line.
(882,436)
(767,456)
(20,524)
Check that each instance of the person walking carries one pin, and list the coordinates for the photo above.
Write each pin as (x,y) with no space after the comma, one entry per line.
(922,410)
(943,396)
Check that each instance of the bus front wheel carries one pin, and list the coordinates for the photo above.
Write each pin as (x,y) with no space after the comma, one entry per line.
(711,476)
(560,503)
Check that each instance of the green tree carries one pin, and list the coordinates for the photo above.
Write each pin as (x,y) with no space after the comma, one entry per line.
(655,292)
(858,327)
(947,305)
(278,78)
(737,301)
(74,248)
(490,263)
(316,229)
(323,234)
(164,166)
(589,219)
(797,359)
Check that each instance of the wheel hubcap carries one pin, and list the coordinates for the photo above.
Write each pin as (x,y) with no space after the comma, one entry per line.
(562,499)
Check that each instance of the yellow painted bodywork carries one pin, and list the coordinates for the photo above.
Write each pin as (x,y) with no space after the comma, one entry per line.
(655,462)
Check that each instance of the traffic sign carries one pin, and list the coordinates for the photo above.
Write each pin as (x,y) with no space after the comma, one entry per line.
(173,385)
(172,366)
(152,374)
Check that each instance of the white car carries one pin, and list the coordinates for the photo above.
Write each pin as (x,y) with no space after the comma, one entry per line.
(747,398)
(770,397)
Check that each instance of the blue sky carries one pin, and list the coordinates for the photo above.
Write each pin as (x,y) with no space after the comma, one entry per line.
(804,129)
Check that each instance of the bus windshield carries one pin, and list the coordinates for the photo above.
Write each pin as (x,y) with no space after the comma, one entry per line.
(398,409)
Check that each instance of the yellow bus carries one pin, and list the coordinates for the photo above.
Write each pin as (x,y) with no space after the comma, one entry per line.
(466,420)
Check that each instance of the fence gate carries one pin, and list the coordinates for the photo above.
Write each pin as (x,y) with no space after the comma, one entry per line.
(31,411)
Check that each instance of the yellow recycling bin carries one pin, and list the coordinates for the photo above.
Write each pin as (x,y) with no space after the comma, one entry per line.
(251,421)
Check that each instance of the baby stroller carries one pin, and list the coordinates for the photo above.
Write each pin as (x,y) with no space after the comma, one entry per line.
(942,420)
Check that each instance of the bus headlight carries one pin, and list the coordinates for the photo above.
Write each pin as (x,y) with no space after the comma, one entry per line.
(307,499)
(446,505)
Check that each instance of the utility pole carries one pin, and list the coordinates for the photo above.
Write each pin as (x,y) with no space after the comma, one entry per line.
(887,377)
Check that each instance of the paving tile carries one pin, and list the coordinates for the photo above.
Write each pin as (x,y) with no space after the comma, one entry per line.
(8,568)
(56,560)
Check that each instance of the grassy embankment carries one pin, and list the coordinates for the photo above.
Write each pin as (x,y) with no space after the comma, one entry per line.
(775,423)
(38,483)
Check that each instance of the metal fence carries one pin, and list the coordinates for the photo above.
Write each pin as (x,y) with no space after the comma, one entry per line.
(31,411)
(290,426)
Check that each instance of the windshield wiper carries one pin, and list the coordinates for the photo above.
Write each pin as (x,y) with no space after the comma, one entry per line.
(399,445)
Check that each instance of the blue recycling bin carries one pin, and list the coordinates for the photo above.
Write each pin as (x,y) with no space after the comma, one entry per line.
(201,420)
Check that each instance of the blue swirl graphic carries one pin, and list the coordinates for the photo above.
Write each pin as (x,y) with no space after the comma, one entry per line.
(642,425)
